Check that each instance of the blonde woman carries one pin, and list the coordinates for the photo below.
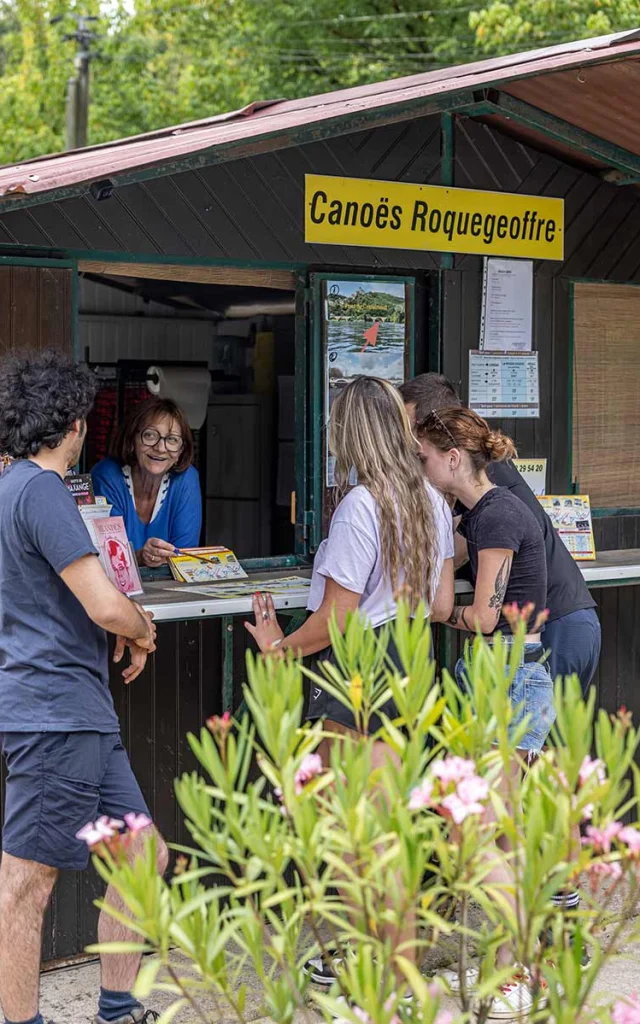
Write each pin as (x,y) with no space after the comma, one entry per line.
(393,530)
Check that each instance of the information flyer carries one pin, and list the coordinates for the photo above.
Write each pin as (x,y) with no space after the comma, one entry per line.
(504,385)
(571,517)
(507,305)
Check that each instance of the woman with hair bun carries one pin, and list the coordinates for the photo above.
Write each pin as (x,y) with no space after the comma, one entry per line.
(508,566)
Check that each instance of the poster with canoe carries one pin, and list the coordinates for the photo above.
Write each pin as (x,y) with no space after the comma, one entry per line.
(365,333)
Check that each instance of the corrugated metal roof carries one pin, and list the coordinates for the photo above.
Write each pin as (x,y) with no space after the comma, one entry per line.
(553,78)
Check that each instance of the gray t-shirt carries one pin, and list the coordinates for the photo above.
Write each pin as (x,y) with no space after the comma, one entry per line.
(53,658)
(352,554)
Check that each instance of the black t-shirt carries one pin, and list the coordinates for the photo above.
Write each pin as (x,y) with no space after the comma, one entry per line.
(566,589)
(501,520)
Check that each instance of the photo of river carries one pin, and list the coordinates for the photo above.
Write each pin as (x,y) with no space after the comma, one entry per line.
(365,335)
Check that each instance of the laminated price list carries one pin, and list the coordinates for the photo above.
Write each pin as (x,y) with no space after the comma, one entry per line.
(504,385)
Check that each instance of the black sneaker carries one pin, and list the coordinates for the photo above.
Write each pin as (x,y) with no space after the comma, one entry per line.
(137,1016)
(322,968)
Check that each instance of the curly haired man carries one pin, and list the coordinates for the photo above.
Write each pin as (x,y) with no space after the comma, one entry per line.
(59,733)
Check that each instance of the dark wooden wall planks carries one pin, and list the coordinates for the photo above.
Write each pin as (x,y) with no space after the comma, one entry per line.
(36,308)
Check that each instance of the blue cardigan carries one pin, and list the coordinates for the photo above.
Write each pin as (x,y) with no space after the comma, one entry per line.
(179,519)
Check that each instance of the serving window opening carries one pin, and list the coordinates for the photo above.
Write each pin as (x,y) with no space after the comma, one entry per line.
(237,324)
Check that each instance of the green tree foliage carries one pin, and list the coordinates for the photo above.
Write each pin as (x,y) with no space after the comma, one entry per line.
(163,62)
(523,24)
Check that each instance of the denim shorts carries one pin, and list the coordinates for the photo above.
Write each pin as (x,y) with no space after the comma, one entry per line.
(531,694)
(56,783)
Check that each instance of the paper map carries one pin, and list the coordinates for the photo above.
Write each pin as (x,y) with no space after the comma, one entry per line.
(246,588)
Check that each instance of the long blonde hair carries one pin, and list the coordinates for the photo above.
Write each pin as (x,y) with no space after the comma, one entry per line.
(369,431)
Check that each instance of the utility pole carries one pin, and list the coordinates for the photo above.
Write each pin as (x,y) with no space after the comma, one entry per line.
(77,104)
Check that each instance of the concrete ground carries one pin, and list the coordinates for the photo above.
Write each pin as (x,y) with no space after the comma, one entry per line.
(69,994)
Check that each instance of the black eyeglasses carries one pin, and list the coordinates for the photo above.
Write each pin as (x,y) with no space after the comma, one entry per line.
(152,437)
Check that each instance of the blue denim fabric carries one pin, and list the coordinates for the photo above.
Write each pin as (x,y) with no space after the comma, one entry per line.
(531,694)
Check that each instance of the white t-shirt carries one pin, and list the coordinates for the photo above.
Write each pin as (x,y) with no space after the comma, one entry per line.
(352,554)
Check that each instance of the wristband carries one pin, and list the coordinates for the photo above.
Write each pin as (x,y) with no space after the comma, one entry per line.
(276,643)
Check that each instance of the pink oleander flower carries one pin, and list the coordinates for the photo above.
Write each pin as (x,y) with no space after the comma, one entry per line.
(458,809)
(421,795)
(452,769)
(444,1017)
(136,822)
(600,870)
(310,768)
(591,767)
(626,1011)
(96,832)
(631,838)
(473,789)
(220,726)
(601,838)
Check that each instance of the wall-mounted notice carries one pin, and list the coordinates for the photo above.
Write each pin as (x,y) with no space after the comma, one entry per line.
(534,472)
(571,516)
(507,305)
(504,385)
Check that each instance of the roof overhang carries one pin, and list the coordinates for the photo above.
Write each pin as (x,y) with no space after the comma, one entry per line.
(576,100)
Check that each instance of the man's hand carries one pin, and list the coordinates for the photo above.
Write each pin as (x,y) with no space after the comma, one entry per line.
(147,642)
(138,649)
(137,657)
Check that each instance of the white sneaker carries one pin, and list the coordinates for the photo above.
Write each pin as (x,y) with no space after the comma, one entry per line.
(452,980)
(516,999)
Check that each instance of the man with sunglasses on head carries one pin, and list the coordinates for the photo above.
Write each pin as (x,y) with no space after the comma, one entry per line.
(572,631)
(150,481)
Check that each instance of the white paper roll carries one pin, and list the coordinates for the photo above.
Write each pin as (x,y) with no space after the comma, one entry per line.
(187,386)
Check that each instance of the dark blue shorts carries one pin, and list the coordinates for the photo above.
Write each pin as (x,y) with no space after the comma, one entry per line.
(574,642)
(56,783)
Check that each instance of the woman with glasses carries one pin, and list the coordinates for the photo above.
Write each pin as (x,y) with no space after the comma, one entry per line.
(150,482)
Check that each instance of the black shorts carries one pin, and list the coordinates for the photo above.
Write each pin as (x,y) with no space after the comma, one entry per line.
(324,705)
(56,783)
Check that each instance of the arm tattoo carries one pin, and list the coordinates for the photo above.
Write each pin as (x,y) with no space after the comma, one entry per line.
(500,586)
(455,617)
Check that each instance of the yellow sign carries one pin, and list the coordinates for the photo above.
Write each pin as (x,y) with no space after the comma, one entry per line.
(396,215)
